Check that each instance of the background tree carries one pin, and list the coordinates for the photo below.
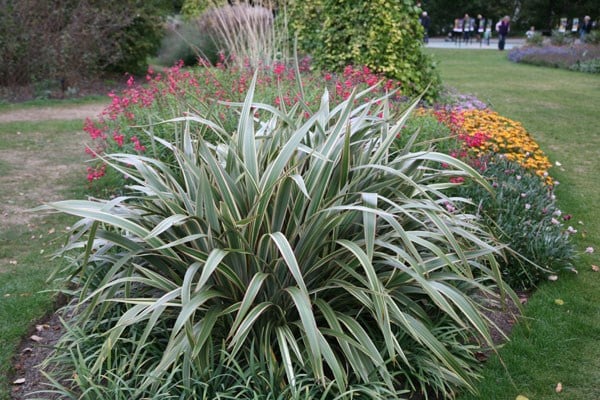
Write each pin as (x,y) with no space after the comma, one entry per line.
(71,39)
(546,14)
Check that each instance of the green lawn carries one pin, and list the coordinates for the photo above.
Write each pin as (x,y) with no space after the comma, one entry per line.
(559,108)
(39,161)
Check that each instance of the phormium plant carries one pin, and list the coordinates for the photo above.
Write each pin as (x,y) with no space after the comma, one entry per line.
(299,256)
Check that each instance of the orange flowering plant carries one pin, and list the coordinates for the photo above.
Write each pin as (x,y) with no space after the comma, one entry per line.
(522,212)
(484,132)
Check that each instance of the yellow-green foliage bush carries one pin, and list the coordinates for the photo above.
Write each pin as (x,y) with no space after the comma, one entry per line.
(384,35)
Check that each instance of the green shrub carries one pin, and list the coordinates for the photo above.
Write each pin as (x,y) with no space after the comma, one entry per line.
(384,35)
(297,258)
(429,132)
(74,40)
(536,40)
(523,214)
(560,39)
(589,66)
(593,37)
(187,42)
(194,8)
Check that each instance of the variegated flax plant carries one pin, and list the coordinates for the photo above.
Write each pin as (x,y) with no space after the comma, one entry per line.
(300,257)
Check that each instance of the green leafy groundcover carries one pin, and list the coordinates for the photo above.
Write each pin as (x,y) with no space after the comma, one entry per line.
(303,254)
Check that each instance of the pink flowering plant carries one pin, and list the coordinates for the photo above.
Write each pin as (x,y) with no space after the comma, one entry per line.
(522,212)
(136,114)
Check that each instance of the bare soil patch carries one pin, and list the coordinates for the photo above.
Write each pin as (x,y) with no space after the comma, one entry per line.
(37,176)
(52,113)
(34,349)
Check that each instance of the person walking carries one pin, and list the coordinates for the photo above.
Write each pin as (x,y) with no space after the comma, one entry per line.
(466,28)
(480,28)
(425,24)
(586,27)
(503,27)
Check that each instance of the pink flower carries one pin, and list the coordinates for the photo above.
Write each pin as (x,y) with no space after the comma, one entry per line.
(278,69)
(589,250)
(137,145)
(118,138)
(450,207)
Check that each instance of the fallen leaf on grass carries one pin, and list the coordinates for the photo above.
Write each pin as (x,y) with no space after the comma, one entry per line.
(19,381)
(595,268)
(521,397)
(559,302)
(36,338)
(558,387)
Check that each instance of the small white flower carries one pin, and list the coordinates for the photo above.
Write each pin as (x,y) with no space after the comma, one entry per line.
(518,177)
(527,206)
(523,195)
(589,250)
(554,221)
(556,183)
(558,164)
(571,230)
(545,174)
(553,197)
(557,213)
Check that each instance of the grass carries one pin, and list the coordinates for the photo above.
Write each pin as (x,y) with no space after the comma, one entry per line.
(27,240)
(559,108)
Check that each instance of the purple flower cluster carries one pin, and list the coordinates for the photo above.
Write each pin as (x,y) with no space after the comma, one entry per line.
(452,100)
(554,56)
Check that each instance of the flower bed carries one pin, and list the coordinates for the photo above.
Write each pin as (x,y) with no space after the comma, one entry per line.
(522,211)
(583,57)
(485,132)
(178,91)
(306,235)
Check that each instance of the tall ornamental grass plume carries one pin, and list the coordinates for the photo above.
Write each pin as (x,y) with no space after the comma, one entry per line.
(295,258)
(245,33)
